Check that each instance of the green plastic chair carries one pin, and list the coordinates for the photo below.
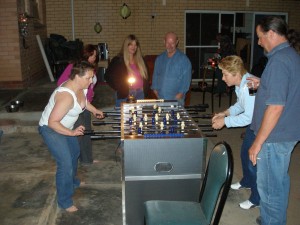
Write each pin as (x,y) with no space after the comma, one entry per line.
(213,195)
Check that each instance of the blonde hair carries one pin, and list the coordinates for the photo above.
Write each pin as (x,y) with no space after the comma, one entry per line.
(233,64)
(138,58)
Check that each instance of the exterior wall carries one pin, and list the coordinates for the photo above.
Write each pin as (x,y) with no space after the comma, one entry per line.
(10,64)
(149,31)
(19,66)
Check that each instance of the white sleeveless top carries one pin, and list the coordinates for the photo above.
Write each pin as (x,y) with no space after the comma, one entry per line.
(71,117)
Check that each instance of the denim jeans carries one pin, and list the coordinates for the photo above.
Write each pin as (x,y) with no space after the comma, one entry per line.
(65,151)
(138,94)
(273,181)
(119,101)
(249,171)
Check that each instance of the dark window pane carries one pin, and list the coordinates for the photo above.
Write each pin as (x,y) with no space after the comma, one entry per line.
(197,22)
(227,25)
(192,28)
(209,28)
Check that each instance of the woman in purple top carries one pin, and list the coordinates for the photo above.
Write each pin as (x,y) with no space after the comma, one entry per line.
(89,54)
(128,63)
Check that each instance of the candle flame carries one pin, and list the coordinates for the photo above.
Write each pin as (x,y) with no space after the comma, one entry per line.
(131,80)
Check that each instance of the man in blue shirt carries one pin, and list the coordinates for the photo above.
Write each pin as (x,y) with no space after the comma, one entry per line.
(172,72)
(276,119)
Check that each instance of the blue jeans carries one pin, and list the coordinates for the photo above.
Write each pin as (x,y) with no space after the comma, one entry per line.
(249,171)
(65,150)
(137,93)
(273,181)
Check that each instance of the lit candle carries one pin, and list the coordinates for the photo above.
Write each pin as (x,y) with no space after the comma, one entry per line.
(131,96)
(131,80)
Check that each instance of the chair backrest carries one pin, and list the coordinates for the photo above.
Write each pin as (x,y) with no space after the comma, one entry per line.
(216,183)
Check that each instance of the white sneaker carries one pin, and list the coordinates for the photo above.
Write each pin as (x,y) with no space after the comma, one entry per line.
(237,186)
(247,205)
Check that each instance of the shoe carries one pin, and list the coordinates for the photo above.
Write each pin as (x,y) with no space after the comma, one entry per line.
(258,220)
(247,205)
(237,186)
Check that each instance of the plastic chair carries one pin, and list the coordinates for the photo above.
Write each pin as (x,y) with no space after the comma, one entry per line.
(213,195)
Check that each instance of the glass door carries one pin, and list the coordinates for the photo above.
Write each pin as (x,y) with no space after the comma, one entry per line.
(203,27)
(200,39)
(201,31)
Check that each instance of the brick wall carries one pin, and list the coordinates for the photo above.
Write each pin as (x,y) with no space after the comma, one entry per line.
(9,55)
(149,31)
(19,67)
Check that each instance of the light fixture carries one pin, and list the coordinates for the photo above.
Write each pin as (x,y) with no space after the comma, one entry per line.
(23,27)
(23,24)
(97,27)
(125,11)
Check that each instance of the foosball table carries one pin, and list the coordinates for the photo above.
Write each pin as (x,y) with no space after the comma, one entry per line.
(163,157)
(163,152)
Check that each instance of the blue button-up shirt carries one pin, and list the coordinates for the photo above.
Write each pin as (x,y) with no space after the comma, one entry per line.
(171,75)
(280,85)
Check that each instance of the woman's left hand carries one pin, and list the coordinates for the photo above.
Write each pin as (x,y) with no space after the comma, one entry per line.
(78,131)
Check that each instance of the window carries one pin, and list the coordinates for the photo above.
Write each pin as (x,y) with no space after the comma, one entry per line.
(202,28)
(200,46)
(34,9)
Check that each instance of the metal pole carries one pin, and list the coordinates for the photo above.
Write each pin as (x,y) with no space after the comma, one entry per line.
(45,58)
(72,15)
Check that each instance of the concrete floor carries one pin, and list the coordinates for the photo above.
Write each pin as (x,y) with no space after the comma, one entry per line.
(27,185)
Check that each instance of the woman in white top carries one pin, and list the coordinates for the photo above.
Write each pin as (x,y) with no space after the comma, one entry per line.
(56,127)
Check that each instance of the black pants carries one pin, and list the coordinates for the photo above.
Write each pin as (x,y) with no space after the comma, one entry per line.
(85,143)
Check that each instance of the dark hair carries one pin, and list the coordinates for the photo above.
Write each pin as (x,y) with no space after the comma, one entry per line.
(80,68)
(294,39)
(274,23)
(88,50)
(279,26)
